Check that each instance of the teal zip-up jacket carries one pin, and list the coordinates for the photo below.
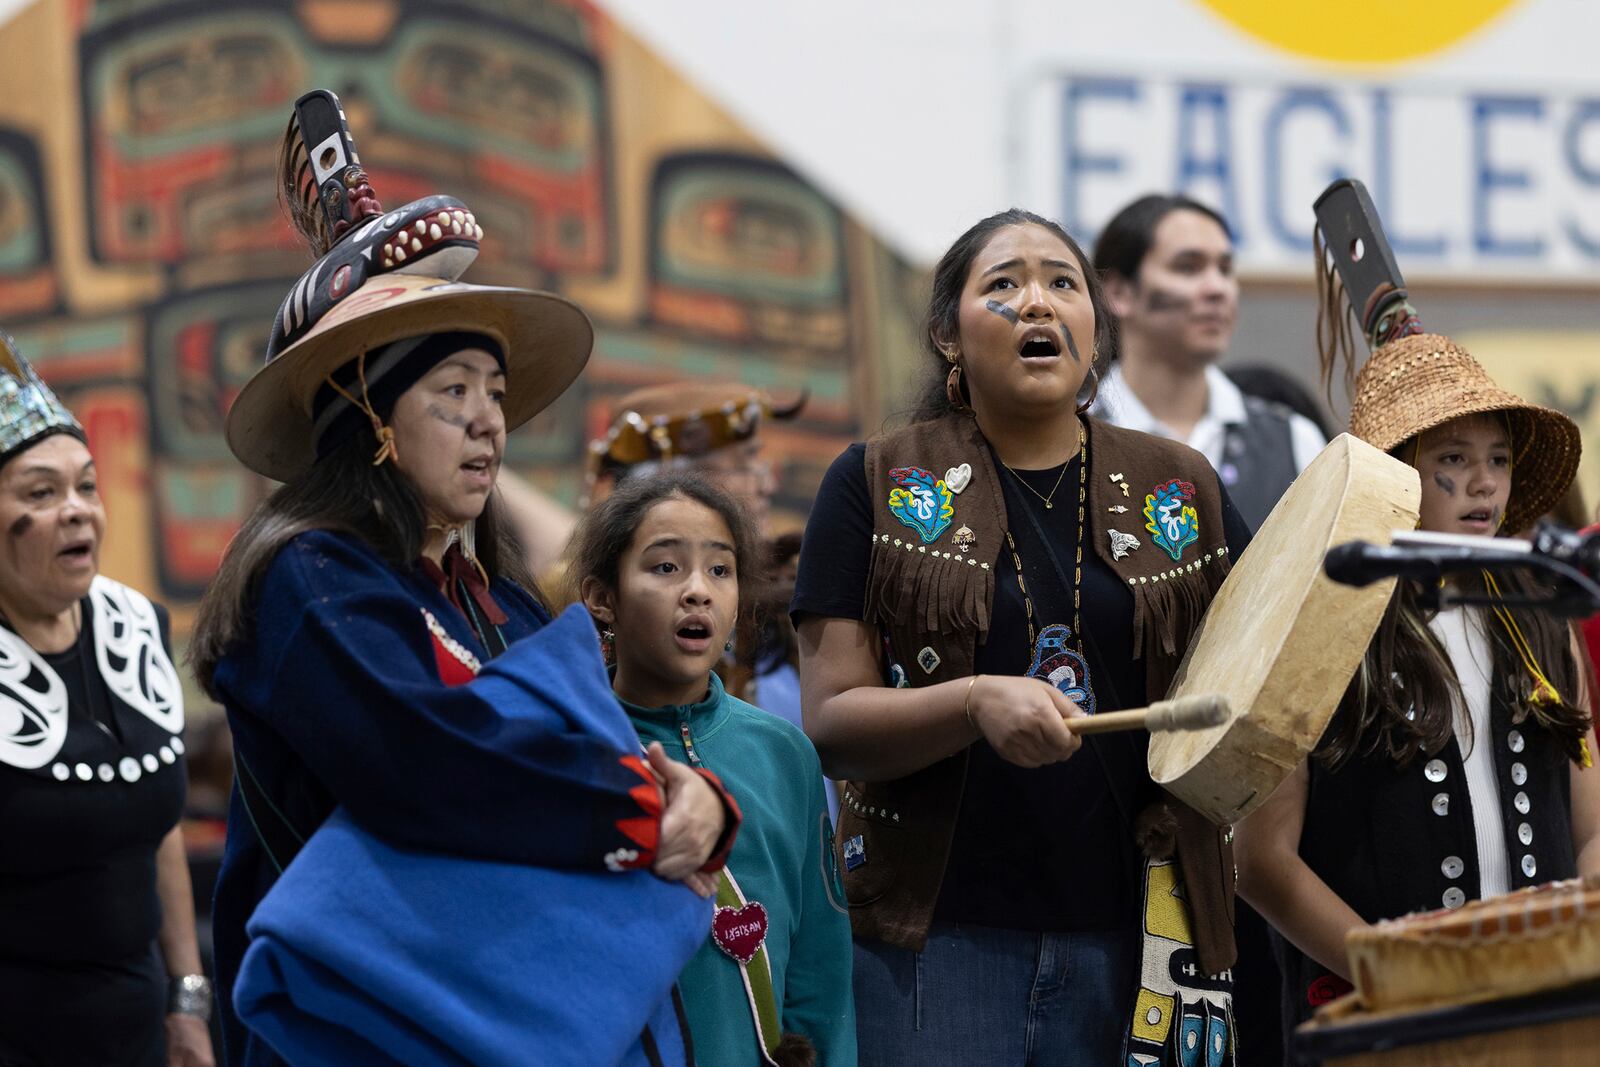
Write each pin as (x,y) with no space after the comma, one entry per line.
(783,857)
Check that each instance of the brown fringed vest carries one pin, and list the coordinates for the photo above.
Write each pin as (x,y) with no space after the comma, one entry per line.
(933,604)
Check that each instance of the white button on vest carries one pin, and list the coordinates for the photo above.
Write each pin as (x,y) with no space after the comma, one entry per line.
(1452,866)
(1522,803)
(1441,804)
(1529,867)
(1519,774)
(128,767)
(1525,834)
(1435,770)
(1514,739)
(1454,897)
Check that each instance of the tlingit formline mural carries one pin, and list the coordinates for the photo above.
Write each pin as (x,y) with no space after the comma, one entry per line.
(143,253)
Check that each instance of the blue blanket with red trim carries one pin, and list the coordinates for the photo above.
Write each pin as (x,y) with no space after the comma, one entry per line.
(365,953)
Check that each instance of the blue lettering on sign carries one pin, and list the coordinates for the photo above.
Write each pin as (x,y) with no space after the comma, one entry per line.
(1079,162)
(1485,109)
(1585,113)
(1198,101)
(1382,186)
(1291,229)
(1312,133)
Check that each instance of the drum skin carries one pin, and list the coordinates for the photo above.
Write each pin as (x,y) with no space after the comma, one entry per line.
(1280,640)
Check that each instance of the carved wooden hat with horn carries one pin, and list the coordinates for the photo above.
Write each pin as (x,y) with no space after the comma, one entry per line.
(1417,381)
(383,283)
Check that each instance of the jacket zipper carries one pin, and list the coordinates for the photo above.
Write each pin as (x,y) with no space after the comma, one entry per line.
(688,738)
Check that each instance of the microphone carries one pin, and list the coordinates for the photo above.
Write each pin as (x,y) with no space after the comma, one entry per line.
(1576,548)
(1421,556)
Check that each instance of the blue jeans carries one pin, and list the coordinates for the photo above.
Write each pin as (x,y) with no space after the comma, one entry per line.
(999,998)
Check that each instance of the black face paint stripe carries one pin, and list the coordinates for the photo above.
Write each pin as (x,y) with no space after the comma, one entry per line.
(1072,346)
(21,526)
(1444,483)
(1162,300)
(458,421)
(1007,313)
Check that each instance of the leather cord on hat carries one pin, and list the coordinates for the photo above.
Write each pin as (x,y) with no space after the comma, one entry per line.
(384,434)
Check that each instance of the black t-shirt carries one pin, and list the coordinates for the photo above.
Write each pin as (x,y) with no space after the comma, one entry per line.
(1043,849)
(78,905)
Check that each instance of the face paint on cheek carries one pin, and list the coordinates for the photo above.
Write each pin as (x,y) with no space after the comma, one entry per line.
(1444,483)
(1072,346)
(21,526)
(1003,311)
(458,421)
(1498,516)
(1161,300)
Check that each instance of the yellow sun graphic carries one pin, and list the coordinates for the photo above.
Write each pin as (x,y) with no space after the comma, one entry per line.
(1360,31)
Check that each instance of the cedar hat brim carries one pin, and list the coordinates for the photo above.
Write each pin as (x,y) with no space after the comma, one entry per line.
(1419,383)
(546,339)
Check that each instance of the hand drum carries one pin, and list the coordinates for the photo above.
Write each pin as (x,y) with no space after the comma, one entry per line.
(1280,641)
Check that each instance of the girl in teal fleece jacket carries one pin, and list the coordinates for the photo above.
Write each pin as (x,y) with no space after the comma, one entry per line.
(658,565)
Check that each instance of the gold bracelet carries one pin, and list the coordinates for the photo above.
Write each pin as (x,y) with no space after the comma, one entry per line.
(970,684)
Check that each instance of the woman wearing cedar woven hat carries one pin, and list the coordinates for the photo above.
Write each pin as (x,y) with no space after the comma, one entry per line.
(1457,767)
(355,608)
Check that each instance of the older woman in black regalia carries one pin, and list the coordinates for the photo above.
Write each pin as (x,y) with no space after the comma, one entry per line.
(93,878)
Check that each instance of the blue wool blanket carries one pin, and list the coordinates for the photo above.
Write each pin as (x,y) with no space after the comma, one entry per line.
(367,954)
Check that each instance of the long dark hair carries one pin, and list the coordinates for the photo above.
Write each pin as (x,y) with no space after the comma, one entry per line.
(342,493)
(1403,699)
(944,303)
(607,531)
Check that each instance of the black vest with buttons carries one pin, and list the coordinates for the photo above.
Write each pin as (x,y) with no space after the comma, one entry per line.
(1394,840)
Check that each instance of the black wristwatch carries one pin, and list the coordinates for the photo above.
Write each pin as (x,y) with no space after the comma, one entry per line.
(190,994)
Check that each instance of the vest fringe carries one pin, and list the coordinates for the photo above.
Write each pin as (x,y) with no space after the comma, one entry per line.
(1162,611)
(953,596)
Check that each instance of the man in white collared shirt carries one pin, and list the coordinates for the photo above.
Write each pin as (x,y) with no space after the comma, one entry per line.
(1167,266)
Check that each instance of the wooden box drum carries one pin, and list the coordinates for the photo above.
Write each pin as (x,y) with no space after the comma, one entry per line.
(1513,981)
(1281,642)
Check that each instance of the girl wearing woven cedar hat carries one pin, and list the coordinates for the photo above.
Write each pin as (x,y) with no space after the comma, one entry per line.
(347,629)
(1016,563)
(1458,765)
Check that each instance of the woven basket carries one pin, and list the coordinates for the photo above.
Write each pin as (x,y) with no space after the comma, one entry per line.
(1421,382)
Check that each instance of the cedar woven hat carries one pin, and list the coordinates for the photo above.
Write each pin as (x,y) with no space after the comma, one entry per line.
(384,277)
(1420,382)
(1416,381)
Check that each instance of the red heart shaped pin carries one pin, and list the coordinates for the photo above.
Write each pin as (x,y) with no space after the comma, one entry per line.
(740,932)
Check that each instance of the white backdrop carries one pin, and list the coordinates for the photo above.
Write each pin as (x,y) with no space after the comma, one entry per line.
(1478,132)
